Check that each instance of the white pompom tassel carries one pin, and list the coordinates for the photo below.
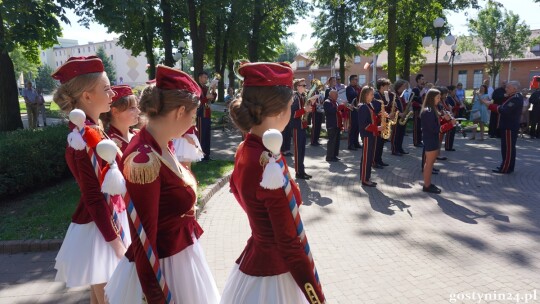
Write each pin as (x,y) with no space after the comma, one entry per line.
(114,182)
(272,176)
(75,140)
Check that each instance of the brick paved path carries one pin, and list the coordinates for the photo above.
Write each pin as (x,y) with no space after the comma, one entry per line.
(391,244)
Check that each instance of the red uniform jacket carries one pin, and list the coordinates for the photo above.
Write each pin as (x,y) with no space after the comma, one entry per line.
(274,247)
(165,205)
(92,205)
(116,136)
(204,110)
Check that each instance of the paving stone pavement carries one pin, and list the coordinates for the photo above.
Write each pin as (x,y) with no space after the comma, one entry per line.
(390,244)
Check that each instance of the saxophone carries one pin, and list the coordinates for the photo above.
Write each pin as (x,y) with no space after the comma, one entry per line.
(388,122)
(408,111)
(385,130)
(316,85)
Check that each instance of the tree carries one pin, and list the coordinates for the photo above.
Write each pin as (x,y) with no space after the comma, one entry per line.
(289,50)
(338,32)
(501,35)
(108,64)
(22,64)
(44,79)
(27,24)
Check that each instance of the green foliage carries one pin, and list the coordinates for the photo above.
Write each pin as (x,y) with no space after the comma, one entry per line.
(338,31)
(108,64)
(501,35)
(44,79)
(25,62)
(31,159)
(288,50)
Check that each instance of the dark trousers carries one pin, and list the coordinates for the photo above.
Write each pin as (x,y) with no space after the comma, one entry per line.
(396,140)
(203,126)
(287,134)
(449,141)
(354,131)
(367,158)
(316,122)
(299,138)
(332,147)
(534,130)
(508,150)
(379,145)
(417,129)
(493,131)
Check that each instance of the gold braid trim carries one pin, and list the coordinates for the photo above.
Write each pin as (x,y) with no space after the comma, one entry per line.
(142,173)
(264,159)
(310,291)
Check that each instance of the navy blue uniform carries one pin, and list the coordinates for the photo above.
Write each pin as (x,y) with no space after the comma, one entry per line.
(287,135)
(498,97)
(331,114)
(417,124)
(398,131)
(299,133)
(316,124)
(377,105)
(450,135)
(353,93)
(535,114)
(509,120)
(367,125)
(204,122)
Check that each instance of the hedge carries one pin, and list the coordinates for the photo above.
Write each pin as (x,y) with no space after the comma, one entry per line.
(32,159)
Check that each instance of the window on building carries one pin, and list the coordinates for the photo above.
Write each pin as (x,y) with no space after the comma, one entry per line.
(79,50)
(535,48)
(357,59)
(57,63)
(361,79)
(477,78)
(324,79)
(462,77)
(112,57)
(88,49)
(302,64)
(110,45)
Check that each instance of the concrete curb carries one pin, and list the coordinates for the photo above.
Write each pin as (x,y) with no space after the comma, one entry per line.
(22,246)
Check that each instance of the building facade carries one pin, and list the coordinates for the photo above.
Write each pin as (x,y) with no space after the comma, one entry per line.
(130,70)
(469,68)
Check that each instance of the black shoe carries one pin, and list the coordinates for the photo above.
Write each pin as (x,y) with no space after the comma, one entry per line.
(442,158)
(369,184)
(450,149)
(331,160)
(431,189)
(352,148)
(337,158)
(498,171)
(308,176)
(403,152)
(301,176)
(383,164)
(420,145)
(397,154)
(358,146)
(315,144)
(206,159)
(287,154)
(377,166)
(436,170)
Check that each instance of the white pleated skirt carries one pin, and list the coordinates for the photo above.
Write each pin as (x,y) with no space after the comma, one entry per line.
(186,152)
(187,274)
(245,289)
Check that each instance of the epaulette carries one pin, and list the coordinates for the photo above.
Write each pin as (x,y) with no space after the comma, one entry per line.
(142,166)
(264,159)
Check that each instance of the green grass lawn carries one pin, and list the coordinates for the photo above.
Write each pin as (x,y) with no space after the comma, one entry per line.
(53,111)
(46,214)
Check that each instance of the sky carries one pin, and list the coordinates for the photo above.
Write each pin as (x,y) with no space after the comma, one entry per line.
(300,32)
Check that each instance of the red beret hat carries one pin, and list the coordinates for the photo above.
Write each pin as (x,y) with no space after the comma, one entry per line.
(265,74)
(153,81)
(171,79)
(76,66)
(121,91)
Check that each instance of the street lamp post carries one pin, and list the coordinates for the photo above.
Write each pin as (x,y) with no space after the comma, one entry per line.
(453,54)
(180,54)
(426,41)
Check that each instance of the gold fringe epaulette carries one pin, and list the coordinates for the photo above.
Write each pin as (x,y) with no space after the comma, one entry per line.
(264,159)
(142,167)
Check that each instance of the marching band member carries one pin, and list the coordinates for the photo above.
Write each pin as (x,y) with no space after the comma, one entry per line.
(317,116)
(123,115)
(333,129)
(431,128)
(509,119)
(453,107)
(442,107)
(300,108)
(353,93)
(92,246)
(276,265)
(164,229)
(378,102)
(417,105)
(398,131)
(204,115)
(369,130)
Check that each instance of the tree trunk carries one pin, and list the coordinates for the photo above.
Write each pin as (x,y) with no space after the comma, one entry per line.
(166,28)
(341,38)
(230,67)
(406,73)
(392,32)
(218,55)
(197,33)
(253,43)
(10,111)
(149,49)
